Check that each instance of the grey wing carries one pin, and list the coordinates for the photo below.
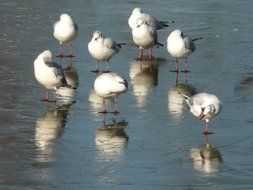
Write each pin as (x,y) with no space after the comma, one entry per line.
(154,34)
(111,44)
(59,72)
(189,43)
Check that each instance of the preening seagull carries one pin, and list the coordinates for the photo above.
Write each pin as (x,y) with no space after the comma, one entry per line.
(49,74)
(205,106)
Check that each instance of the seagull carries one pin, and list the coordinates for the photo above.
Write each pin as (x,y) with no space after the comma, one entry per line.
(204,106)
(49,74)
(102,49)
(110,85)
(180,46)
(145,36)
(65,31)
(137,13)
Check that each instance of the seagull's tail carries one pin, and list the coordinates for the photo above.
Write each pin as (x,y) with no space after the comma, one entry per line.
(195,39)
(187,98)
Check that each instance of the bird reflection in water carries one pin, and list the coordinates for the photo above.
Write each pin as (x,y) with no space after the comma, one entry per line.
(144,77)
(206,159)
(176,103)
(49,127)
(71,75)
(111,139)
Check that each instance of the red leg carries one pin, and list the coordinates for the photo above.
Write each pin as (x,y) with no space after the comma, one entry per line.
(177,79)
(107,67)
(206,132)
(116,112)
(186,66)
(97,65)
(140,58)
(104,111)
(177,68)
(150,54)
(70,50)
(60,51)
(47,100)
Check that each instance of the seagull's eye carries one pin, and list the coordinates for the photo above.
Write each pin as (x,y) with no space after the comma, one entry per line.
(182,34)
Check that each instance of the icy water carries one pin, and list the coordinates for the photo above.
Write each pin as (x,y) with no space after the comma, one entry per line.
(157,143)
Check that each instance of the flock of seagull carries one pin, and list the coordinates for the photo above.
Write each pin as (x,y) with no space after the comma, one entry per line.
(109,84)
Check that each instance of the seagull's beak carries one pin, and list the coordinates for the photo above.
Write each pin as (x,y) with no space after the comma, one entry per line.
(202,115)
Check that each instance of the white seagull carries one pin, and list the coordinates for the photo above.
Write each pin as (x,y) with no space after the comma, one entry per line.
(102,49)
(204,106)
(145,36)
(65,31)
(180,46)
(110,85)
(138,13)
(49,74)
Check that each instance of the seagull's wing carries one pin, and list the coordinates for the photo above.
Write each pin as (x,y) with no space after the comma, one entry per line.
(57,69)
(152,32)
(189,44)
(111,44)
(187,99)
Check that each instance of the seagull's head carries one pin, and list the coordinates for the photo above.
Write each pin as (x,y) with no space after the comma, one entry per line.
(206,110)
(65,17)
(97,34)
(177,33)
(47,56)
(137,11)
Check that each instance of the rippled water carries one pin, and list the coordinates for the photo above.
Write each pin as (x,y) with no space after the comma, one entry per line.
(157,143)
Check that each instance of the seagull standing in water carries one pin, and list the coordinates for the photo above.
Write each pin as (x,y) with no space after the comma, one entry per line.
(102,49)
(180,46)
(145,36)
(204,106)
(65,31)
(49,74)
(138,13)
(110,85)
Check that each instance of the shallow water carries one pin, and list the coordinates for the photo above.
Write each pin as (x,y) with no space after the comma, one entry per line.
(157,143)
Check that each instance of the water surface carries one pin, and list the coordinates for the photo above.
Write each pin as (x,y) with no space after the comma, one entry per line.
(157,143)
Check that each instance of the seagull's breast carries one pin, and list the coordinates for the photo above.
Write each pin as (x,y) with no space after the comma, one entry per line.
(65,32)
(142,37)
(176,47)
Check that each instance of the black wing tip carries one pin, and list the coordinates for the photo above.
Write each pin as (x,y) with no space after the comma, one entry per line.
(195,39)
